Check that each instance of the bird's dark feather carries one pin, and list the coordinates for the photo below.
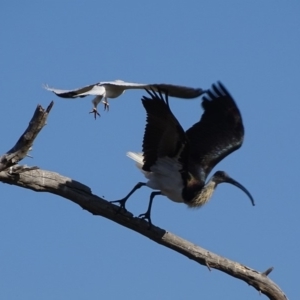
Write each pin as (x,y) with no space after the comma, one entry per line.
(179,91)
(219,132)
(75,93)
(164,135)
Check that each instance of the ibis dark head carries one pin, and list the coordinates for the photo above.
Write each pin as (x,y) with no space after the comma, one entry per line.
(221,176)
(196,193)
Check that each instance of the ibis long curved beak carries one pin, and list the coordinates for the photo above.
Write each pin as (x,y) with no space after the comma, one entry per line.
(237,184)
(221,176)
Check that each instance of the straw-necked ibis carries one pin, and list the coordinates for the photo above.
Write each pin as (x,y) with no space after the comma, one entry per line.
(177,163)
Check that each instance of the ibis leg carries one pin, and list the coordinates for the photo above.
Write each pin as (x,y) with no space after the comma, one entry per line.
(122,202)
(147,214)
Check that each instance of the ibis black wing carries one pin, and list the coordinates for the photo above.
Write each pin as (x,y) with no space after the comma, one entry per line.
(163,135)
(219,132)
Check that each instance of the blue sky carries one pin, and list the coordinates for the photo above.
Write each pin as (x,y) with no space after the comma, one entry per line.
(51,248)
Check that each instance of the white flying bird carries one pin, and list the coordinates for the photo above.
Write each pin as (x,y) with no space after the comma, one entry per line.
(113,89)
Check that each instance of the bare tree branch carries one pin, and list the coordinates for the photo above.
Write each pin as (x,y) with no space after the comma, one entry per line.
(45,181)
(24,144)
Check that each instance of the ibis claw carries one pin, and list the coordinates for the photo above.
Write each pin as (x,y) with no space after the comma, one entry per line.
(146,216)
(122,203)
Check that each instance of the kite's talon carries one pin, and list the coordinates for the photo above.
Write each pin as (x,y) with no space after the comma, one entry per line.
(95,112)
(106,105)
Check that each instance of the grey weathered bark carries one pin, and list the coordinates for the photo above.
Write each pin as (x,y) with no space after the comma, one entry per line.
(40,180)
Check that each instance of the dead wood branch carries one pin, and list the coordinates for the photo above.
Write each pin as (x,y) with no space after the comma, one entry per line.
(45,181)
(25,142)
